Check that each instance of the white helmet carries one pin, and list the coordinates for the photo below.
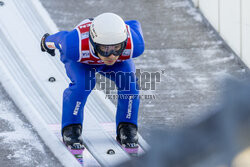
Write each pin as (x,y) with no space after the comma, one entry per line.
(108,29)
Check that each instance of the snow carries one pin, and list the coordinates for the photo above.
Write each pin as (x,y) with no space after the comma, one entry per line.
(222,60)
(190,10)
(193,12)
(20,130)
(179,62)
(19,142)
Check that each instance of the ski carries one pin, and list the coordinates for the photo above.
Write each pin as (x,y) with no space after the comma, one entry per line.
(133,152)
(77,154)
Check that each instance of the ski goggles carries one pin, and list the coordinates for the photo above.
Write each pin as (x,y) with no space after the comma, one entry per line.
(107,50)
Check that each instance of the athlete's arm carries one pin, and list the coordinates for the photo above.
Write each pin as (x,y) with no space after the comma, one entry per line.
(137,37)
(66,42)
(53,41)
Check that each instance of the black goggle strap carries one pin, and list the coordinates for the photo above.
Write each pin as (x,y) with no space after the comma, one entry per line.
(93,44)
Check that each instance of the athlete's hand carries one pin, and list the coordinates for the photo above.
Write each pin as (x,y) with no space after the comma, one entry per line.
(44,48)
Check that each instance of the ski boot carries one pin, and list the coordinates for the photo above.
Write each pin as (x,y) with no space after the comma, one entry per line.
(128,138)
(72,136)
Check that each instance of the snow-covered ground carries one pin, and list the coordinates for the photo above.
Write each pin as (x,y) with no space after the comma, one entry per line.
(19,142)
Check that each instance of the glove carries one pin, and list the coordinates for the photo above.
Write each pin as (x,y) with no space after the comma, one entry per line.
(44,48)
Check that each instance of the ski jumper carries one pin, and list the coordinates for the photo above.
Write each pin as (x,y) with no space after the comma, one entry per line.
(81,63)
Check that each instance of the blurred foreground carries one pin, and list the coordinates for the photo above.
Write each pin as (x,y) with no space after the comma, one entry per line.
(221,140)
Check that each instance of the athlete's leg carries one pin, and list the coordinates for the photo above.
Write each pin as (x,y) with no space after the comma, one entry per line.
(82,78)
(123,74)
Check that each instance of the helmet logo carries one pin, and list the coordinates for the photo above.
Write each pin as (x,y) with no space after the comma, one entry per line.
(93,32)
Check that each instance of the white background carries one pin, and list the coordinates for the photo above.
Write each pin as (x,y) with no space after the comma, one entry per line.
(231,19)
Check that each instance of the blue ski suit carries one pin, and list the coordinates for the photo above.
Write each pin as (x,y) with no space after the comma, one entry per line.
(83,81)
